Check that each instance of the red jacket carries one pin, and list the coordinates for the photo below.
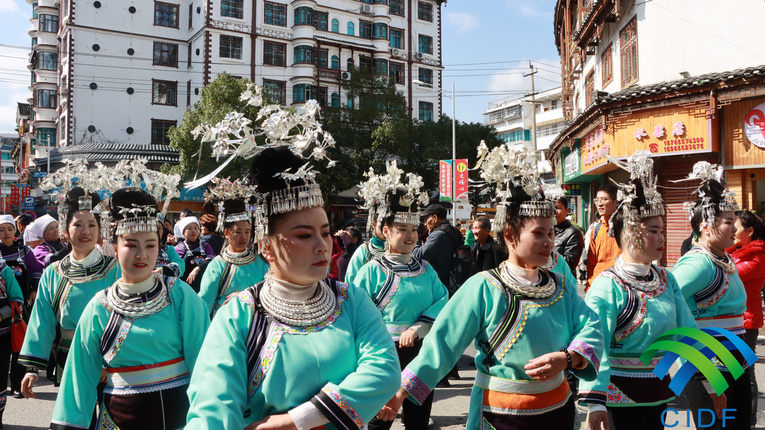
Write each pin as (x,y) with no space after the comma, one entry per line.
(750,264)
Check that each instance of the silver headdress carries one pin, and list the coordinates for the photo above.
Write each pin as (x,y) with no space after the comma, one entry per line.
(296,128)
(74,173)
(516,174)
(639,198)
(136,219)
(376,188)
(711,177)
(225,191)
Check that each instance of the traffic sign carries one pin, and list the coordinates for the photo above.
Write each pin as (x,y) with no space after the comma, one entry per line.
(39,174)
(29,203)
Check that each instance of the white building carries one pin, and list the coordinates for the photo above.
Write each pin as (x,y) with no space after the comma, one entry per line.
(512,119)
(111,73)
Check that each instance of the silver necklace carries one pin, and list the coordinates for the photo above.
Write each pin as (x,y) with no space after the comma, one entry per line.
(238,259)
(301,313)
(725,262)
(638,284)
(533,290)
(137,309)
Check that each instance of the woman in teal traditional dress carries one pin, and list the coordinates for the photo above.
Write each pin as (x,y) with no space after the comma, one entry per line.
(65,288)
(406,290)
(528,324)
(637,302)
(296,350)
(237,267)
(714,292)
(145,330)
(11,299)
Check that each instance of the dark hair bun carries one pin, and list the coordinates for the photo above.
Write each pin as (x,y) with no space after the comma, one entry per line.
(639,200)
(269,163)
(234,206)
(517,194)
(129,198)
(72,200)
(712,189)
(393,199)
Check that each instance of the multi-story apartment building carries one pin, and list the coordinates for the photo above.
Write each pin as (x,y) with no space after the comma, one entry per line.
(122,73)
(511,118)
(679,78)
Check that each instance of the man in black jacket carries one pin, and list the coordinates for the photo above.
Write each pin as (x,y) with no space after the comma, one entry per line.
(439,247)
(485,248)
(568,239)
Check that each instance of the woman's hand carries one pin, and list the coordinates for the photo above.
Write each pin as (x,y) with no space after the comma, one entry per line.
(193,275)
(273,422)
(407,338)
(26,385)
(720,402)
(390,410)
(171,239)
(597,420)
(546,366)
(103,376)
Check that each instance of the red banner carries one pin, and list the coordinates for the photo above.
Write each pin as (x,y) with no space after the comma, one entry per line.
(445,180)
(461,183)
(26,191)
(13,199)
(2,204)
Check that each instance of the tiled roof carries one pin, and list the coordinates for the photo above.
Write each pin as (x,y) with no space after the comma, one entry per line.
(114,152)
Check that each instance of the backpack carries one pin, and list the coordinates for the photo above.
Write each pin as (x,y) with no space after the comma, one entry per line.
(463,263)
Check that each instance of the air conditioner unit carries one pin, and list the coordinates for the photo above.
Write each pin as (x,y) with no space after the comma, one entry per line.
(366,9)
(419,55)
(345,75)
(394,51)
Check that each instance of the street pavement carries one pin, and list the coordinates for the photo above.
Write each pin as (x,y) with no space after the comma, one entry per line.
(450,407)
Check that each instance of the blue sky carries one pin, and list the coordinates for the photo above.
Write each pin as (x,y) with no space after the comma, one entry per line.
(487,45)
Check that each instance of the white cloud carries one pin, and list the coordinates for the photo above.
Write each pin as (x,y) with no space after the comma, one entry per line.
(9,6)
(512,79)
(462,22)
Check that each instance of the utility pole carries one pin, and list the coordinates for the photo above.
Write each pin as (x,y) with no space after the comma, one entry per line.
(533,109)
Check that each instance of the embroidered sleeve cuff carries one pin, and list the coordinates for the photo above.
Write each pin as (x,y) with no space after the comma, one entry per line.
(592,397)
(33,362)
(421,328)
(586,351)
(307,416)
(336,409)
(417,389)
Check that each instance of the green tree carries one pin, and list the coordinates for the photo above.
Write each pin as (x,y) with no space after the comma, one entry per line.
(216,100)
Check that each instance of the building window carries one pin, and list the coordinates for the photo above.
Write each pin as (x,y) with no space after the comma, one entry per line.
(48,23)
(589,87)
(276,14)
(301,93)
(381,66)
(159,130)
(191,15)
(320,20)
(34,42)
(165,54)
(335,25)
(629,53)
(607,66)
(303,55)
(365,29)
(335,100)
(321,56)
(396,38)
(426,44)
(425,75)
(47,60)
(397,73)
(232,8)
(274,54)
(554,104)
(276,91)
(321,96)
(46,98)
(164,93)
(351,29)
(188,56)
(365,63)
(188,93)
(380,30)
(303,16)
(424,11)
(335,63)
(348,65)
(46,136)
(396,7)
(166,14)
(34,10)
(426,111)
(230,47)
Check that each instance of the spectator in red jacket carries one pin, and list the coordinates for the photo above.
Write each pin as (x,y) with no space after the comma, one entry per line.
(749,254)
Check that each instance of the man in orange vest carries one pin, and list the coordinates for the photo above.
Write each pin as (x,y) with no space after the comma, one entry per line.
(600,249)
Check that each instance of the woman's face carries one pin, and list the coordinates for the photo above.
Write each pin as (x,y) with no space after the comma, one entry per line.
(401,237)
(137,254)
(534,244)
(652,235)
(298,247)
(82,232)
(191,232)
(743,234)
(238,236)
(168,226)
(723,235)
(6,234)
(51,233)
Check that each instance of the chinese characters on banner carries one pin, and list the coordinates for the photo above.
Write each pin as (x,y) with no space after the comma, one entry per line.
(445,179)
(13,199)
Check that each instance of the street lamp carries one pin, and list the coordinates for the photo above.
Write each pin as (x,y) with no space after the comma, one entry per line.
(454,142)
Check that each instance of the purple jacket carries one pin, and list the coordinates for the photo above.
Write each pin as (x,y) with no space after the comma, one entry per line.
(45,250)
